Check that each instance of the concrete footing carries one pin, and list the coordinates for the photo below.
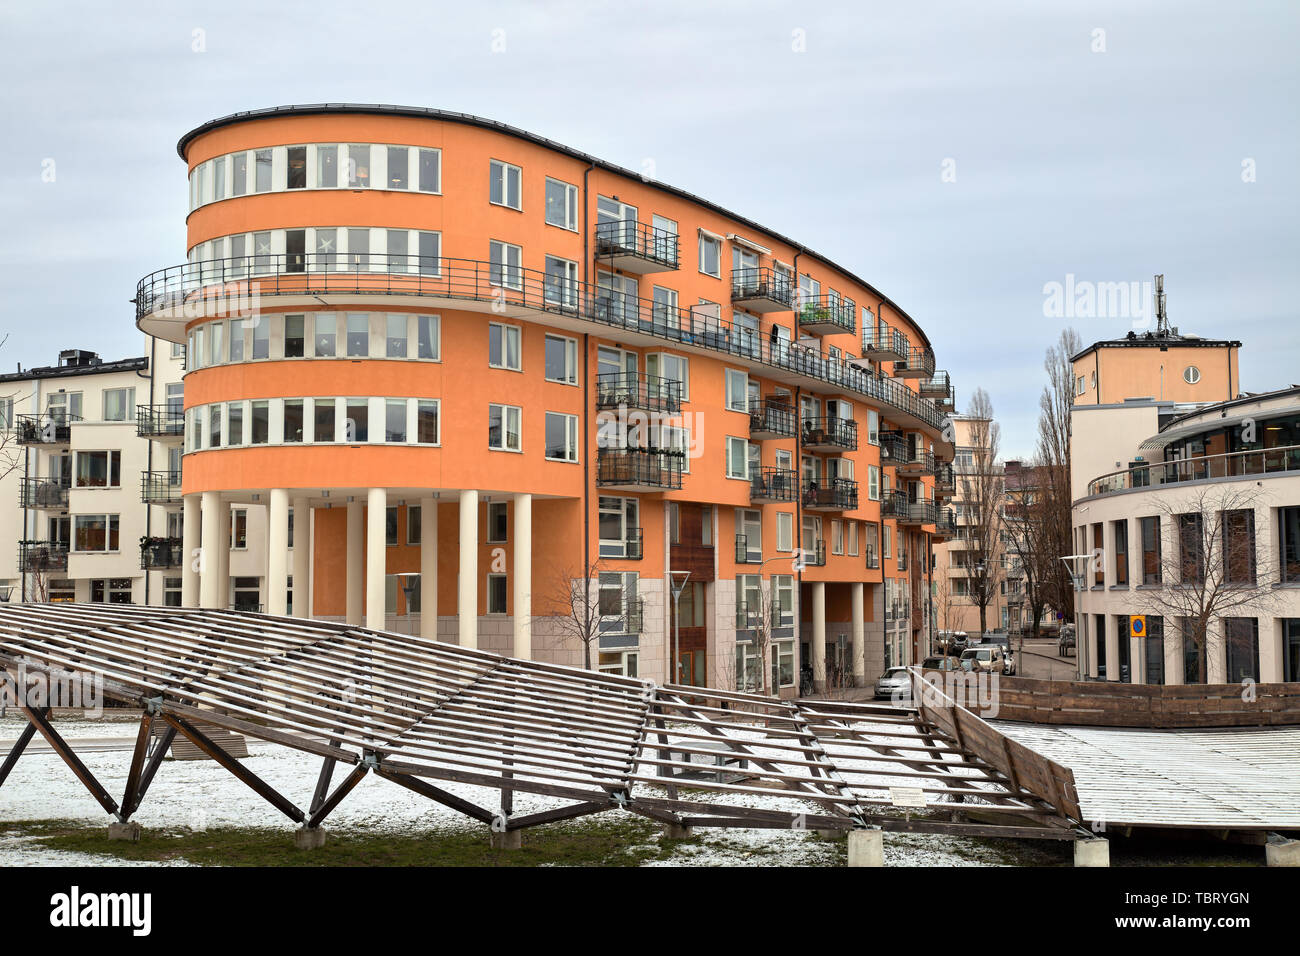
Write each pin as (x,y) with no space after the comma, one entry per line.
(130,832)
(866,848)
(675,831)
(1092,852)
(309,838)
(507,839)
(1282,853)
(832,834)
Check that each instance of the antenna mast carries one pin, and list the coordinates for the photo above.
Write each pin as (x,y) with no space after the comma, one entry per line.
(1162,320)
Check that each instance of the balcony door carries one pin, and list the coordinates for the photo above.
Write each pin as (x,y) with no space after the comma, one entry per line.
(610,210)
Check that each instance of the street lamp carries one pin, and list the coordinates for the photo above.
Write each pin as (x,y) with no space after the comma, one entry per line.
(408,580)
(677,581)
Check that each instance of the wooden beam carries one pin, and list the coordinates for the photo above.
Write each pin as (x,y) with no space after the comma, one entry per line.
(137,765)
(161,746)
(71,759)
(326,807)
(17,750)
(426,789)
(250,779)
(560,813)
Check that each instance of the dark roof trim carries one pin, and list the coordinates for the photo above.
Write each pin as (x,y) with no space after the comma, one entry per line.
(1161,342)
(469,119)
(1233,403)
(73,371)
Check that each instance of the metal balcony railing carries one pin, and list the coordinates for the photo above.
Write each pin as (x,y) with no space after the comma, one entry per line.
(160,421)
(44,493)
(883,341)
(633,544)
(634,616)
(945,481)
(873,560)
(749,614)
(629,239)
(637,390)
(838,494)
(771,419)
(920,512)
(48,429)
(945,522)
(774,484)
(814,557)
(829,433)
(894,505)
(1236,464)
(190,291)
(746,555)
(158,553)
(160,487)
(919,461)
(639,469)
(824,315)
(917,363)
(37,556)
(762,289)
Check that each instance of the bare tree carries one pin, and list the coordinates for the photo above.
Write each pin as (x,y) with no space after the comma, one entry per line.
(982,497)
(760,619)
(943,602)
(1214,568)
(575,603)
(1052,537)
(1027,525)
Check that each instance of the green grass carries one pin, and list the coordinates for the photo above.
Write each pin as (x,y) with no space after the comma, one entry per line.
(626,842)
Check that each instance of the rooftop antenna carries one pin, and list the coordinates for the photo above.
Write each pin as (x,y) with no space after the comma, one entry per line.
(1162,320)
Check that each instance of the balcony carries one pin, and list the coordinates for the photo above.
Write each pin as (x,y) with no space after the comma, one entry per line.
(46,494)
(48,429)
(747,618)
(945,481)
(829,434)
(939,388)
(814,557)
(761,290)
(918,462)
(638,469)
(883,343)
(918,363)
(157,553)
(919,513)
(771,419)
(38,556)
(746,554)
(824,315)
(773,485)
(624,630)
(636,390)
(1263,462)
(162,422)
(945,525)
(160,487)
(873,561)
(894,505)
(838,494)
(169,300)
(635,247)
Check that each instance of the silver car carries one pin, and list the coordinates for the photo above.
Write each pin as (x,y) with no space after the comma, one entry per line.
(894,684)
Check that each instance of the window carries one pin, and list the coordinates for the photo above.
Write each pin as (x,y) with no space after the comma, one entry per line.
(497,522)
(214,426)
(873,428)
(1150,529)
(504,184)
(327,166)
(672,368)
(710,255)
(737,390)
(390,526)
(261,337)
(427,337)
(171,592)
(737,458)
(430,171)
(95,533)
(260,421)
(1288,521)
(1099,552)
(886,540)
(398,247)
(325,328)
(497,590)
(293,421)
(239,166)
(395,335)
(219,178)
(399,161)
(784,531)
(295,336)
(99,469)
(503,427)
(873,482)
(236,340)
(239,529)
(356,428)
(110,590)
(413,523)
(358,165)
(358,334)
(618,519)
(1191,545)
(1078,385)
(1120,530)
(561,204)
(852,536)
(837,536)
(323,420)
(783,598)
(1191,375)
(426,422)
(297,175)
(505,265)
(395,420)
(119,404)
(326,249)
(561,437)
(1239,546)
(358,250)
(561,360)
(503,346)
(262,180)
(749,534)
(1242,637)
(560,286)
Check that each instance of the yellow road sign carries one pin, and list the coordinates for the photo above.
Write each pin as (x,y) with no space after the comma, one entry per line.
(1137,625)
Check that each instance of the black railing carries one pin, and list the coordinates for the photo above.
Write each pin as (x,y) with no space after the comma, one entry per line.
(884,338)
(160,487)
(37,556)
(937,386)
(749,614)
(639,467)
(873,560)
(916,360)
(944,479)
(628,237)
(774,484)
(637,390)
(894,505)
(1260,461)
(893,448)
(838,494)
(44,492)
(744,555)
(186,292)
(815,556)
(161,553)
(919,460)
(634,616)
(921,512)
(159,421)
(822,311)
(762,283)
(836,432)
(633,544)
(771,417)
(52,428)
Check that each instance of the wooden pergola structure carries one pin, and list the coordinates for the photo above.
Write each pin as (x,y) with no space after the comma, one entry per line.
(425,715)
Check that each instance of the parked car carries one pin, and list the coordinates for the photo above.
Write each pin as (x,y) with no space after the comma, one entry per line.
(1065,642)
(894,684)
(951,642)
(986,659)
(939,664)
(1009,662)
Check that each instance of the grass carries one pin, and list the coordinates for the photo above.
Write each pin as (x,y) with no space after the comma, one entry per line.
(627,842)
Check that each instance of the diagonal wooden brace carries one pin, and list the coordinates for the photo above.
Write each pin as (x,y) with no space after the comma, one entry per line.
(19,746)
(41,721)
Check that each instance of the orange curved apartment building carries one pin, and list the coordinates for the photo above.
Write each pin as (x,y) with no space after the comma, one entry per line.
(469,367)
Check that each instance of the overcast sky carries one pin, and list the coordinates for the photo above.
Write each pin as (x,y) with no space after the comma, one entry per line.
(960,156)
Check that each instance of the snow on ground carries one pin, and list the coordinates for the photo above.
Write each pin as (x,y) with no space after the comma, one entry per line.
(199,793)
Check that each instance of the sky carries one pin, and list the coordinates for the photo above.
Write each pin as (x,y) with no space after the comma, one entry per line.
(962,157)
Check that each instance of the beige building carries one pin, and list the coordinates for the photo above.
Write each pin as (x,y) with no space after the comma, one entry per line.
(1163,366)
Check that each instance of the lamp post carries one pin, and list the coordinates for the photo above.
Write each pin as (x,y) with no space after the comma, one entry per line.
(677,581)
(408,581)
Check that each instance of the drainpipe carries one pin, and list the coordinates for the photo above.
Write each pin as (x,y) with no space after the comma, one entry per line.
(148,467)
(586,407)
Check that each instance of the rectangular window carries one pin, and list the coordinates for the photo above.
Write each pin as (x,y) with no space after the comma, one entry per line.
(561,360)
(561,204)
(295,336)
(358,334)
(671,368)
(873,482)
(504,269)
(261,336)
(561,437)
(358,165)
(234,423)
(430,170)
(504,184)
(214,426)
(395,420)
(327,166)
(873,427)
(427,337)
(357,425)
(710,256)
(1120,530)
(324,334)
(395,335)
(737,458)
(99,469)
(1099,556)
(358,250)
(260,420)
(293,421)
(426,422)
(1150,529)
(784,531)
(326,250)
(1242,637)
(737,390)
(560,286)
(1191,544)
(95,533)
(1239,546)
(503,427)
(430,251)
(749,534)
(262,183)
(399,160)
(119,404)
(496,593)
(503,346)
(297,168)
(323,420)
(239,165)
(413,523)
(110,590)
(498,522)
(219,178)
(398,250)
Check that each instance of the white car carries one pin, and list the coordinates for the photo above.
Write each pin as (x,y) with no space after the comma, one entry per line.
(894,684)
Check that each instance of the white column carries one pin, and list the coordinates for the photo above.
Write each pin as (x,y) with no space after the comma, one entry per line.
(523,576)
(277,552)
(819,634)
(1113,638)
(467,584)
(356,561)
(191,528)
(301,557)
(1216,653)
(210,566)
(376,558)
(1173,652)
(859,635)
(429,568)
(223,554)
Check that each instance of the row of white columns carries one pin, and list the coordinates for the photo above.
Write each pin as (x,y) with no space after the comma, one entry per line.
(206,575)
(859,632)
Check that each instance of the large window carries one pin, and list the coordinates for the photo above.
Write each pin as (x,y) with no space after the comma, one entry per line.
(737,458)
(99,469)
(561,360)
(1120,530)
(561,437)
(1191,548)
(497,594)
(503,346)
(505,265)
(1288,521)
(672,368)
(561,204)
(504,184)
(1150,528)
(618,519)
(1239,546)
(737,390)
(504,427)
(358,334)
(710,255)
(1242,637)
(119,404)
(95,533)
